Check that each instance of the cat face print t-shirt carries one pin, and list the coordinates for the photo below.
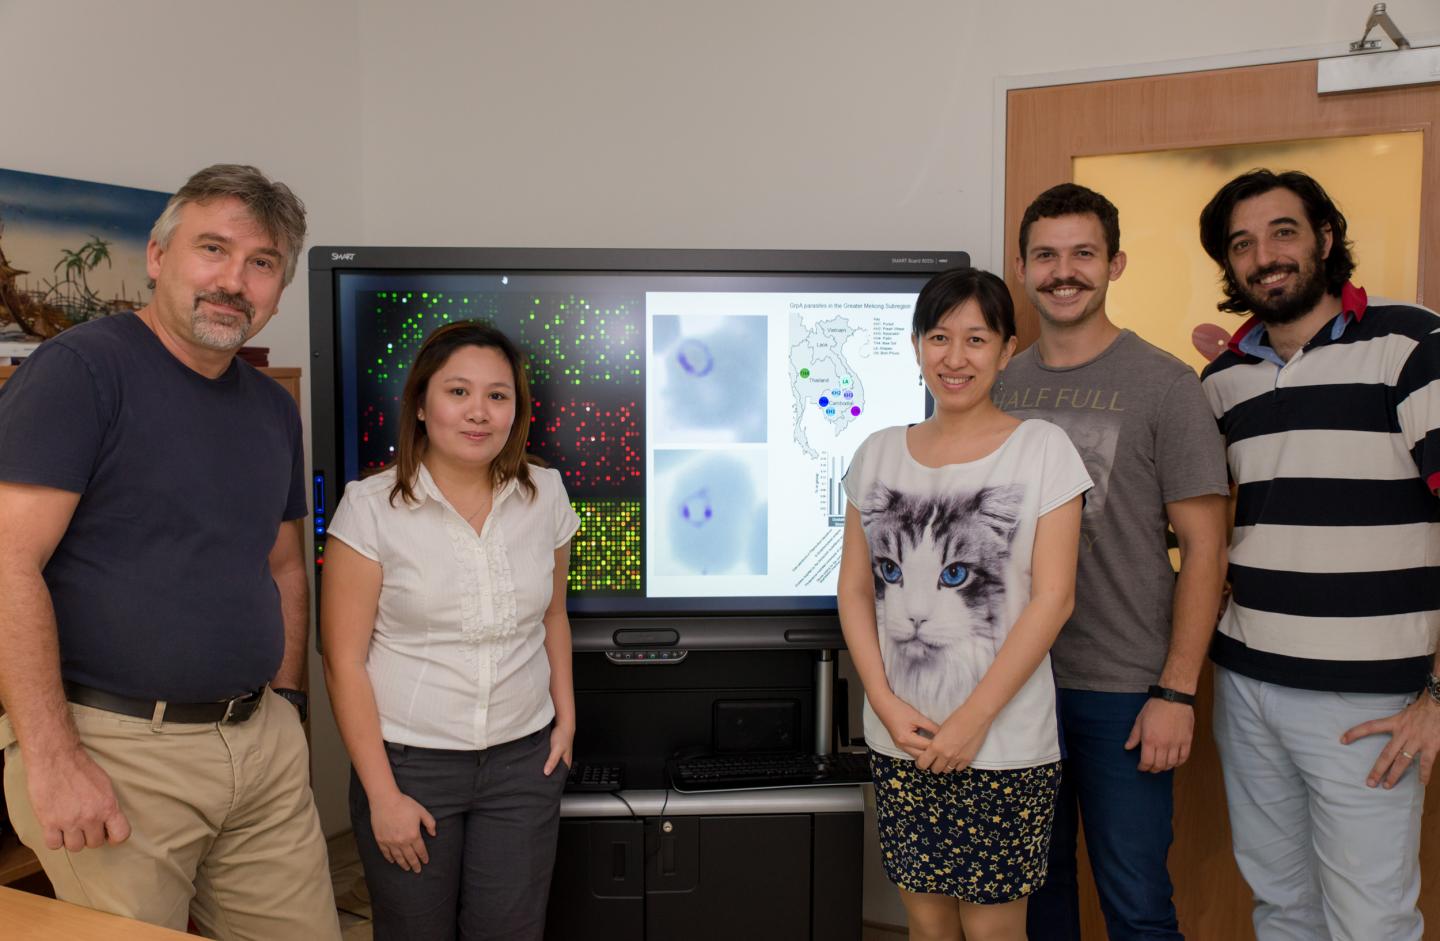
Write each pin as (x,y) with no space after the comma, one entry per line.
(950,552)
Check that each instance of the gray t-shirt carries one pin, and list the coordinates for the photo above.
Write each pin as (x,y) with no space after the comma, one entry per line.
(1139,419)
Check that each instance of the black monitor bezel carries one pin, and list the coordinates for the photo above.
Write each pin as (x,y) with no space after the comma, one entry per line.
(598,631)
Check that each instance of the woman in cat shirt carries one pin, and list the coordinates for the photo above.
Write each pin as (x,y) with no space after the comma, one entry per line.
(961,538)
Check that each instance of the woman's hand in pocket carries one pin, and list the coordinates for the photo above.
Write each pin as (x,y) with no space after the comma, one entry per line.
(396,821)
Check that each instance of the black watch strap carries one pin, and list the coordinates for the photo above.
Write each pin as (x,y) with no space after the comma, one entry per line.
(297,698)
(1172,695)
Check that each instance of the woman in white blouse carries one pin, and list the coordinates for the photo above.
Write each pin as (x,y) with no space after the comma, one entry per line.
(447,652)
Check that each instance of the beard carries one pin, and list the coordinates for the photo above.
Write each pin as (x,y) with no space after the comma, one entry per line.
(1287,306)
(223,335)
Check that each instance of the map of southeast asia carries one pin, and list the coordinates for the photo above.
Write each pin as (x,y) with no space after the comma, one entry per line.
(825,387)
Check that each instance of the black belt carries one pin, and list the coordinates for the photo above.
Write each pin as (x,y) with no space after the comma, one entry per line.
(228,710)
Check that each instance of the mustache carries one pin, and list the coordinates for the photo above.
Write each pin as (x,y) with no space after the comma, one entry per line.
(1272,268)
(1071,282)
(226,299)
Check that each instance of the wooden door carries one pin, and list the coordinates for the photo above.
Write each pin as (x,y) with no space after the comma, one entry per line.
(1046,129)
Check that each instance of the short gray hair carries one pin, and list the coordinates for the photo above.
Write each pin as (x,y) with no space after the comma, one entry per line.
(277,210)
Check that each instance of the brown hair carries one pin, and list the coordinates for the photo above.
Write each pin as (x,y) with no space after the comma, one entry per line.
(1072,199)
(278,211)
(512,463)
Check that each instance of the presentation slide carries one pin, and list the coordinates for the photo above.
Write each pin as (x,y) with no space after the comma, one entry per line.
(756,401)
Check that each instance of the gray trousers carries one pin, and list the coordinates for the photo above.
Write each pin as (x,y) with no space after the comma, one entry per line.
(497,820)
(1326,856)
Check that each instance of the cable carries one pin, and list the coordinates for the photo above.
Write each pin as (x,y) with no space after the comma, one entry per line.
(617,795)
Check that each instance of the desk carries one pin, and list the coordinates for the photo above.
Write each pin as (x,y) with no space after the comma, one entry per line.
(781,864)
(29,917)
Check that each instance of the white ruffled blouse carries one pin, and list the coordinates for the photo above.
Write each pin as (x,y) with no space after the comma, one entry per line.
(457,657)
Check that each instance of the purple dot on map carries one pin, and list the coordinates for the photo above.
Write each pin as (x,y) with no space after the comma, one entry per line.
(854,410)
(824,401)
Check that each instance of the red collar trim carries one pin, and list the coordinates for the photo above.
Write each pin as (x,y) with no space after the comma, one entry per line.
(1353,301)
(1252,324)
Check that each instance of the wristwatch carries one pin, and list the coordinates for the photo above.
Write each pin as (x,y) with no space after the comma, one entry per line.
(1172,695)
(300,700)
(1432,686)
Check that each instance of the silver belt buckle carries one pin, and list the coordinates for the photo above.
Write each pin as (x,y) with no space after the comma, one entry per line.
(241,708)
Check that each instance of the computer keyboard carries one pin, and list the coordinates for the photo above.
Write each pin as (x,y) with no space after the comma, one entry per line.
(790,769)
(587,777)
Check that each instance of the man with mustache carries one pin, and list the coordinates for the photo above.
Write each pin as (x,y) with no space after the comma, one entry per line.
(153,592)
(1128,661)
(1327,703)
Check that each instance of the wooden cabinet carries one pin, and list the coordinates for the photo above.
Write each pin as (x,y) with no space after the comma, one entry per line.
(16,862)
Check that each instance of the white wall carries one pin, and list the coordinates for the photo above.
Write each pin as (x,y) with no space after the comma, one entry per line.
(754,123)
(650,123)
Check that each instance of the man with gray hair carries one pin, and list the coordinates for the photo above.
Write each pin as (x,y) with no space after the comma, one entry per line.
(153,594)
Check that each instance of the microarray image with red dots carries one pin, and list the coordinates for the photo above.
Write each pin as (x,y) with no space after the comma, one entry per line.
(597,447)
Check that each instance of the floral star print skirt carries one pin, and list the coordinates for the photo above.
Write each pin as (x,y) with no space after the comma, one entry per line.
(980,836)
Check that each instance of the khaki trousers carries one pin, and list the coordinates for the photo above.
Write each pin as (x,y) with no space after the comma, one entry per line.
(224,826)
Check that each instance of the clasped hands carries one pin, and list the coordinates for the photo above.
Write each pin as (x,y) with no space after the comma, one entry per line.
(949,746)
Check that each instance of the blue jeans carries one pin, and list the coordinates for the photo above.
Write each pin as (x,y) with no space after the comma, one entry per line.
(1126,813)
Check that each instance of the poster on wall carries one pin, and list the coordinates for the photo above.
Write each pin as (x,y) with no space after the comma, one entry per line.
(70,251)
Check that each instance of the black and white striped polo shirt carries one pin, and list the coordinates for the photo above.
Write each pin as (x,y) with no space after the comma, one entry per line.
(1335,557)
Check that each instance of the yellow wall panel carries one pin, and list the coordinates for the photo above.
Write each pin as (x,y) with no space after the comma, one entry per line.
(1170,286)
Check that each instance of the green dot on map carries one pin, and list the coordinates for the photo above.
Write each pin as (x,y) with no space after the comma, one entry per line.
(804,374)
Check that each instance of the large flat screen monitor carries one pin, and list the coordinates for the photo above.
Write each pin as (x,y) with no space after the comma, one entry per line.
(701,406)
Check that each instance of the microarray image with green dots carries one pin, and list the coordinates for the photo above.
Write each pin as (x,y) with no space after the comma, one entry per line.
(605,555)
(585,363)
(579,350)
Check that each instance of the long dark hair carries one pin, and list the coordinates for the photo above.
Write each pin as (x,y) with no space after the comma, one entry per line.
(512,463)
(1320,210)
